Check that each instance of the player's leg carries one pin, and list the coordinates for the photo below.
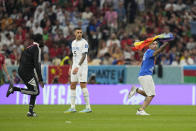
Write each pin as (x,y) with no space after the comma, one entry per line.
(141,92)
(135,90)
(147,101)
(149,90)
(33,99)
(74,81)
(73,98)
(11,87)
(86,97)
(32,87)
(28,80)
(83,83)
(73,94)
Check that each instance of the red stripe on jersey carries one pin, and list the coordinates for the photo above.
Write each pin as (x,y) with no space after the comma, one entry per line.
(34,43)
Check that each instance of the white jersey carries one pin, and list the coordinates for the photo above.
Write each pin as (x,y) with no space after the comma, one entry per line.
(78,48)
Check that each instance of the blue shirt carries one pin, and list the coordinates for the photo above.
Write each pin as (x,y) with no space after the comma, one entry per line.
(147,66)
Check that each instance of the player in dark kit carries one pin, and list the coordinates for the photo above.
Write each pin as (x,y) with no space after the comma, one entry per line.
(30,60)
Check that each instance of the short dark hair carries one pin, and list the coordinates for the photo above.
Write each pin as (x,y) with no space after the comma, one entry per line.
(159,42)
(77,28)
(37,38)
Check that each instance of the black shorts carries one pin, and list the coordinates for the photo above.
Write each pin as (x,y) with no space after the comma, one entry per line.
(31,82)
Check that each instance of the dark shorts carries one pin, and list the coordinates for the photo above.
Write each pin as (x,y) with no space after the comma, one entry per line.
(30,81)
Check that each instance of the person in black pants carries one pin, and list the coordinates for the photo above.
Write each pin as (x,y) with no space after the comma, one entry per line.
(30,60)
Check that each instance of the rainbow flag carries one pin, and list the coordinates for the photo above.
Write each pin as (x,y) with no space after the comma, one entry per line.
(142,44)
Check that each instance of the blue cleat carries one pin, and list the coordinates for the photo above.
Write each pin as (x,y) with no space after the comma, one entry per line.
(87,110)
(70,110)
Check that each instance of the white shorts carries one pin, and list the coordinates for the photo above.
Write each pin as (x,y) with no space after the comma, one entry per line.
(147,84)
(82,74)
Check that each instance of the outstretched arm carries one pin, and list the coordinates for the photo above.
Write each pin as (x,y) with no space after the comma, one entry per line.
(160,49)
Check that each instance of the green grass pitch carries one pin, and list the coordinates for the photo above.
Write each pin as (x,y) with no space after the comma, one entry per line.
(103,117)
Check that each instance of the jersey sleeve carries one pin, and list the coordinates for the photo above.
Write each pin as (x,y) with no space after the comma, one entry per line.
(37,61)
(85,47)
(150,53)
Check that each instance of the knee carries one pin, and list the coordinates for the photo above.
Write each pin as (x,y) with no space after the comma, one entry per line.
(151,97)
(38,93)
(83,84)
(73,86)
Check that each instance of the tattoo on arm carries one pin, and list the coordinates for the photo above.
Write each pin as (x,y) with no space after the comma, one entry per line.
(160,49)
(83,58)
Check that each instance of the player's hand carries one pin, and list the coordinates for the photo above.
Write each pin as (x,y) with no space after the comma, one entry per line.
(42,84)
(75,71)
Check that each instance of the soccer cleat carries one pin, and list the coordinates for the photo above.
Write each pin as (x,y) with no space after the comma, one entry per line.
(70,110)
(142,113)
(31,114)
(10,90)
(132,92)
(87,110)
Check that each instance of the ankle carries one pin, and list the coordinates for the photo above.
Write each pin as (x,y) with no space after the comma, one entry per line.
(31,108)
(140,109)
(88,107)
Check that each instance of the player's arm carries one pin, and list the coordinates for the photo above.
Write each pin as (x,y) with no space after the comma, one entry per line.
(37,62)
(83,58)
(5,70)
(80,63)
(84,53)
(160,49)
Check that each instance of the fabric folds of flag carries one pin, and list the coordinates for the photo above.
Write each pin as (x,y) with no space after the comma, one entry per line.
(143,44)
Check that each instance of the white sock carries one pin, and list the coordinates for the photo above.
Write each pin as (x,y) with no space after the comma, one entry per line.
(73,98)
(86,97)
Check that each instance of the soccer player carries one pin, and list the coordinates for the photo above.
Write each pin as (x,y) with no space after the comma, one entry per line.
(145,77)
(79,70)
(3,68)
(30,60)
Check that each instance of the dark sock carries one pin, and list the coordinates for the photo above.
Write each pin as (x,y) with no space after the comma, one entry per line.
(17,89)
(31,108)
(32,103)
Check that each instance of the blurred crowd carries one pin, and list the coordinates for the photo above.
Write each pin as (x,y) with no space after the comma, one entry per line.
(110,26)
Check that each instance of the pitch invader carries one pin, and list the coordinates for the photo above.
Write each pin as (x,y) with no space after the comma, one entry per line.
(30,60)
(145,77)
(79,70)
